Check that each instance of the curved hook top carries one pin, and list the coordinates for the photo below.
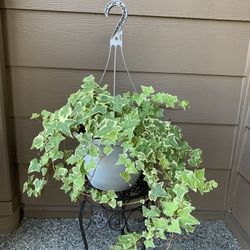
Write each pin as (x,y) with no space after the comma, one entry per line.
(124,17)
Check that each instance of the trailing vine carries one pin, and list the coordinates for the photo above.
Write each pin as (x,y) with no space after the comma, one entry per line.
(150,145)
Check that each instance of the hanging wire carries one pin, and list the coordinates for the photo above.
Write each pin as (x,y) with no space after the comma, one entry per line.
(129,76)
(106,66)
(116,41)
(114,77)
(125,64)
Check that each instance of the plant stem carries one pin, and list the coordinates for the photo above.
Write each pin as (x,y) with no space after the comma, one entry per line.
(170,242)
(135,202)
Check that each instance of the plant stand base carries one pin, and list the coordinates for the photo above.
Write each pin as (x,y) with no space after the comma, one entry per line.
(118,219)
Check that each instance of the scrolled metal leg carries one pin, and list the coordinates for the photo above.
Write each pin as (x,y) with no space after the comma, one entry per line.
(80,218)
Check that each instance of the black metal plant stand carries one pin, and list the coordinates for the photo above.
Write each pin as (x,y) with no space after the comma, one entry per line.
(117,219)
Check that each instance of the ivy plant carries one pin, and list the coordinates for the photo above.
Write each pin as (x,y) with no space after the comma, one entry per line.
(150,144)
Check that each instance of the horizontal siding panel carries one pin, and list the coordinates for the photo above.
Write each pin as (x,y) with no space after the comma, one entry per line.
(248,116)
(213,9)
(53,196)
(34,89)
(216,141)
(245,173)
(245,157)
(245,160)
(241,205)
(80,41)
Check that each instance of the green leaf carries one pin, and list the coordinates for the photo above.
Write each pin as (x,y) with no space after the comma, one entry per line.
(93,150)
(186,218)
(44,159)
(125,176)
(195,158)
(184,104)
(38,141)
(107,150)
(147,90)
(160,223)
(89,84)
(159,98)
(123,159)
(169,208)
(79,183)
(25,186)
(171,140)
(44,171)
(98,109)
(38,186)
(108,130)
(174,227)
(34,166)
(90,165)
(104,199)
(56,140)
(139,98)
(118,103)
(210,185)
(112,203)
(153,212)
(35,116)
(45,114)
(119,203)
(180,191)
(149,243)
(60,171)
(157,191)
(170,100)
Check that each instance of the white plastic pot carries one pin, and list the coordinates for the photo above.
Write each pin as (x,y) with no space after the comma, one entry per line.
(106,175)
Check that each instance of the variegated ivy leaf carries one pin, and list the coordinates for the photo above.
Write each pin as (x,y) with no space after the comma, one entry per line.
(184,104)
(34,116)
(174,227)
(180,191)
(138,98)
(93,150)
(157,191)
(44,171)
(185,217)
(45,114)
(170,100)
(128,241)
(160,223)
(90,165)
(153,212)
(38,142)
(147,90)
(125,176)
(169,207)
(195,158)
(35,166)
(89,84)
(108,130)
(60,171)
(107,150)
(38,186)
(118,104)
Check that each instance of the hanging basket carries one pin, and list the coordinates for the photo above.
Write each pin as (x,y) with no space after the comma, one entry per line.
(107,175)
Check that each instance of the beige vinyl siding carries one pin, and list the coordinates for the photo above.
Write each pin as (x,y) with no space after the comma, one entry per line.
(201,9)
(196,49)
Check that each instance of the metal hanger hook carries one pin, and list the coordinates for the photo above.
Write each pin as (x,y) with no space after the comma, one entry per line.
(124,17)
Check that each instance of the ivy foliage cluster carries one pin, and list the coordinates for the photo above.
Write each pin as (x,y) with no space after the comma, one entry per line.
(150,145)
